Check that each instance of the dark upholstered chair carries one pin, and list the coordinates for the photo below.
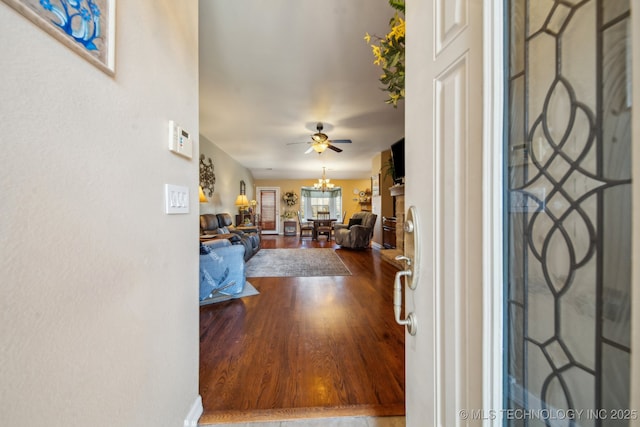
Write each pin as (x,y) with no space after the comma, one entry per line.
(358,232)
(306,228)
(223,224)
(253,237)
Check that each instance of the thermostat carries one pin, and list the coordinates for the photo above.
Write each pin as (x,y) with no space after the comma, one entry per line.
(180,140)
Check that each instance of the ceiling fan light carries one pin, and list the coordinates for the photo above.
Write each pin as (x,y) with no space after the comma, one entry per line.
(319,137)
(320,147)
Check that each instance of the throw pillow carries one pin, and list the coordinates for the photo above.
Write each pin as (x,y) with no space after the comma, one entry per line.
(355,221)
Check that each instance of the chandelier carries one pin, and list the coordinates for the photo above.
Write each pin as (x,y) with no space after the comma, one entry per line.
(323,183)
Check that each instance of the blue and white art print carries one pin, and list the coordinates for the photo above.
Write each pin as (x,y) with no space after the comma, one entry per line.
(85,26)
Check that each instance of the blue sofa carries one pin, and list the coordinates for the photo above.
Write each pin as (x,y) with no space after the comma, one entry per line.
(222,270)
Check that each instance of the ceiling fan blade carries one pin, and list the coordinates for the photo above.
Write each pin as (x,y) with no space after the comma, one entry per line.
(340,141)
(334,148)
(310,149)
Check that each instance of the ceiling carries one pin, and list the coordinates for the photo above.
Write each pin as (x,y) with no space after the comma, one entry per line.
(271,70)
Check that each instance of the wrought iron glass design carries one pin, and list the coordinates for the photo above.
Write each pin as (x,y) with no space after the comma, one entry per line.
(568,216)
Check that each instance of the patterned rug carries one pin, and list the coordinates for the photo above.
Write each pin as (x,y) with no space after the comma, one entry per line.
(296,263)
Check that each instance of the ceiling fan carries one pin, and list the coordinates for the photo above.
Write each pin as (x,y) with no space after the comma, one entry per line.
(320,142)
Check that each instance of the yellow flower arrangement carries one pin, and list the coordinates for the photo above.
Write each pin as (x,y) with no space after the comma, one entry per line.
(389,54)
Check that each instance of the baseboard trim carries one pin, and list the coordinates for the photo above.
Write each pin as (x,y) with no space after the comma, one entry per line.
(194,413)
(376,245)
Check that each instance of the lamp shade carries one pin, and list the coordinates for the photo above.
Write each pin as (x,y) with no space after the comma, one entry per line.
(203,198)
(242,200)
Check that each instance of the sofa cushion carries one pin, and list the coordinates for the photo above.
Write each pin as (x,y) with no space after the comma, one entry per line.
(222,270)
(213,272)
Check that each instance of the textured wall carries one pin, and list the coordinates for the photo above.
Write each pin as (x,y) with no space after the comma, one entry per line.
(228,175)
(98,302)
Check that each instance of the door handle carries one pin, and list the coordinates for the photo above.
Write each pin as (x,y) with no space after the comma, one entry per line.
(411,272)
(410,322)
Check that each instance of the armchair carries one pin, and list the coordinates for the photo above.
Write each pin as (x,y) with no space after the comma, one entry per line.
(358,233)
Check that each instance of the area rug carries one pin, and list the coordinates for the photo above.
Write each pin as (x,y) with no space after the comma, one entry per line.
(296,263)
(248,291)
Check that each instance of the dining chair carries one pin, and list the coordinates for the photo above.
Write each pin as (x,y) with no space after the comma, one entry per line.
(306,228)
(324,227)
(324,215)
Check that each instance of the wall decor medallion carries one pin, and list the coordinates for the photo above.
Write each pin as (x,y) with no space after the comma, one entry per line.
(207,177)
(85,26)
(290,198)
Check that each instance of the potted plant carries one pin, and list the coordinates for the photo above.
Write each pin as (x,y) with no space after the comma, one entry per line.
(389,54)
(388,170)
(289,214)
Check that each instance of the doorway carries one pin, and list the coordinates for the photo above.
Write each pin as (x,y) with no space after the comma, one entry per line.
(269,208)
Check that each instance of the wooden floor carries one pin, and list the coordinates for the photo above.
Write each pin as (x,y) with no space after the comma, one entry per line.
(305,347)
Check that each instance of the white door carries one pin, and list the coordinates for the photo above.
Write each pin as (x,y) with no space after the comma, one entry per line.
(454,360)
(443,139)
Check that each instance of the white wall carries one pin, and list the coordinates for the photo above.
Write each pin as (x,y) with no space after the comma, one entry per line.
(228,175)
(98,301)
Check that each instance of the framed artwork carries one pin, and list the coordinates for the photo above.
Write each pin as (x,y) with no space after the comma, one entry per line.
(375,185)
(85,26)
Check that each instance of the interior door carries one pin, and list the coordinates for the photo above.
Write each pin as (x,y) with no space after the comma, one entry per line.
(443,139)
(269,206)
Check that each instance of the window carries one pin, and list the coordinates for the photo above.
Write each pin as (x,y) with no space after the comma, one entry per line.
(313,201)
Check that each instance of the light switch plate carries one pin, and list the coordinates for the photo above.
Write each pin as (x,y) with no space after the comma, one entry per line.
(176,199)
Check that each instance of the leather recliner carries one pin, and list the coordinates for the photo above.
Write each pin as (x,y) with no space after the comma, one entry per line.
(358,233)
(226,222)
(209,224)
(223,224)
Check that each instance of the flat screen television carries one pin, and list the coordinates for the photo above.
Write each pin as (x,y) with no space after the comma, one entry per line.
(397,156)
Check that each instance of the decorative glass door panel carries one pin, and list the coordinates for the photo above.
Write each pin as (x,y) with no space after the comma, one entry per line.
(568,219)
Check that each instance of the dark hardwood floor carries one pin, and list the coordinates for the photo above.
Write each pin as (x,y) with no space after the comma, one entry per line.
(305,346)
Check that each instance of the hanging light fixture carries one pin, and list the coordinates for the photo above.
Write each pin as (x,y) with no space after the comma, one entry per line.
(319,147)
(320,140)
(323,183)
